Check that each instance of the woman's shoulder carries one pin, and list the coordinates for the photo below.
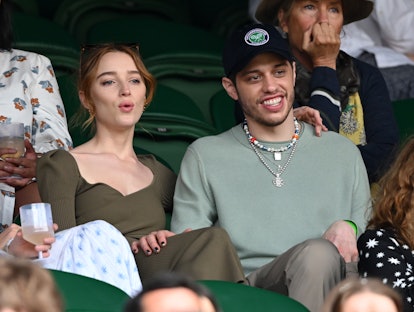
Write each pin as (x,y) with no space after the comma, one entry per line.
(32,57)
(373,237)
(57,156)
(56,153)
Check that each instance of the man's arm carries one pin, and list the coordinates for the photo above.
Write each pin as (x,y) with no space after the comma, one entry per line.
(194,205)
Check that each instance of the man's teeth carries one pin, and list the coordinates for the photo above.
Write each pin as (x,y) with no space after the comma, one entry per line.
(272,102)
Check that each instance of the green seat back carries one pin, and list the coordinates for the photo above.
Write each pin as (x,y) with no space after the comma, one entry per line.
(53,41)
(27,6)
(404,112)
(222,108)
(171,101)
(157,36)
(234,297)
(168,138)
(86,294)
(179,55)
(80,16)
(69,94)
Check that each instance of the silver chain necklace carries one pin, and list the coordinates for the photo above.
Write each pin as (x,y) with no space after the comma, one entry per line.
(277,181)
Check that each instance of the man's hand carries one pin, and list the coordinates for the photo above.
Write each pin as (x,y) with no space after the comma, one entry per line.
(343,236)
(311,116)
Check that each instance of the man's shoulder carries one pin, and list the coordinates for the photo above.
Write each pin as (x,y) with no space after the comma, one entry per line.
(328,139)
(215,141)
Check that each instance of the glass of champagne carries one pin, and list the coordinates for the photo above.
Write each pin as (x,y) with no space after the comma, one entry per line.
(37,223)
(12,136)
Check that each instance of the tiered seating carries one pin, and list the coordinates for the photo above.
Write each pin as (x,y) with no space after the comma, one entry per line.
(78,16)
(181,56)
(40,35)
(241,298)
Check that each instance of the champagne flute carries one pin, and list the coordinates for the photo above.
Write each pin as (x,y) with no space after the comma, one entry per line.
(36,223)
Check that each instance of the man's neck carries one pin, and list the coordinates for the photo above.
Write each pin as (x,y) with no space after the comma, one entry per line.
(280,133)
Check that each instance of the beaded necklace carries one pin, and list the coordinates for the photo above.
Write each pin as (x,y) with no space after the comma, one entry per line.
(276,151)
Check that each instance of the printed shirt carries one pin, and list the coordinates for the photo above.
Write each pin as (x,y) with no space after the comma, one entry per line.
(382,256)
(29,93)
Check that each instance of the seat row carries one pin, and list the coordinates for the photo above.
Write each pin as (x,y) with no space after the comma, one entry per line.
(216,16)
(103,297)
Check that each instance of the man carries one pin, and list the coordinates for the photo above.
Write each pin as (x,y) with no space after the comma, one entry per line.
(281,192)
(171,292)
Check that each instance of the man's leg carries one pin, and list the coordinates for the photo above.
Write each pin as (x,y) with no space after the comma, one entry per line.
(306,272)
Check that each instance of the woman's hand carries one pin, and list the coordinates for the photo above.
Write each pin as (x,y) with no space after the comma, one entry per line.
(152,242)
(23,249)
(322,42)
(310,116)
(25,167)
(7,234)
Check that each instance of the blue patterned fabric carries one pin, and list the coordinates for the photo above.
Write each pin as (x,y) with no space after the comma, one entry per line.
(96,249)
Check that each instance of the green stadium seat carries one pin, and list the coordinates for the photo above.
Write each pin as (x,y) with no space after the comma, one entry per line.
(180,56)
(69,94)
(222,108)
(79,16)
(171,101)
(168,138)
(81,293)
(37,34)
(404,112)
(26,6)
(234,297)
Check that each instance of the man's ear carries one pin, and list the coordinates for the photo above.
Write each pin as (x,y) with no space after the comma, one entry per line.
(230,88)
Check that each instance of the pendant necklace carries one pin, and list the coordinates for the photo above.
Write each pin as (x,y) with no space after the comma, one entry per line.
(277,152)
(277,180)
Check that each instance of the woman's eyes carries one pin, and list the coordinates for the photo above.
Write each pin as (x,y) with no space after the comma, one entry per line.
(135,80)
(112,82)
(107,82)
(309,7)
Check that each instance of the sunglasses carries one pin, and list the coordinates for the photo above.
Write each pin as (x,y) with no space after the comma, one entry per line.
(86,49)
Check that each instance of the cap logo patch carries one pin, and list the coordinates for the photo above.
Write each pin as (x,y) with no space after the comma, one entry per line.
(256,37)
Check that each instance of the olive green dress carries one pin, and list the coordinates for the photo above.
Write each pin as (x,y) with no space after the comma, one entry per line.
(204,254)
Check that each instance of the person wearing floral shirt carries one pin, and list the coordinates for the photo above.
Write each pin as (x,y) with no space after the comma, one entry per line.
(29,93)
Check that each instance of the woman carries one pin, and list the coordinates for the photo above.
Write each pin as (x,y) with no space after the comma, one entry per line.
(351,95)
(361,295)
(103,179)
(29,94)
(386,248)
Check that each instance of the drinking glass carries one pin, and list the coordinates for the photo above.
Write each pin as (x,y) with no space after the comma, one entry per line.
(12,136)
(36,223)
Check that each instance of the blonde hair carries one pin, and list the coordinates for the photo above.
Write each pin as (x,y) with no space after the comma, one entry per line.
(351,286)
(27,287)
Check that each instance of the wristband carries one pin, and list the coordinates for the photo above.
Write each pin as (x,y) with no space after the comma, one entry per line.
(353,225)
(6,248)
